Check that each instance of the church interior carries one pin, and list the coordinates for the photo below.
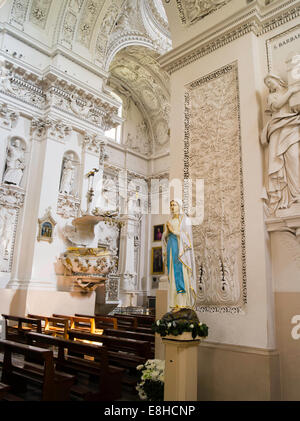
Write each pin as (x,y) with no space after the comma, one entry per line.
(114,115)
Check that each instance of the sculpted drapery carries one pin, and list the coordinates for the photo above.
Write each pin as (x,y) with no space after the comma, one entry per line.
(67,177)
(15,163)
(179,256)
(282,135)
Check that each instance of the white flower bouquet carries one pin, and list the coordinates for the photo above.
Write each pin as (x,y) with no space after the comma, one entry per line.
(151,385)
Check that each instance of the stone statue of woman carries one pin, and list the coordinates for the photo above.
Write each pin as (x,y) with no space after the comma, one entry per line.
(15,163)
(282,136)
(67,178)
(179,255)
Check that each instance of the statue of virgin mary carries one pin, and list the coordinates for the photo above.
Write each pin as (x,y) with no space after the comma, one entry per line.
(179,255)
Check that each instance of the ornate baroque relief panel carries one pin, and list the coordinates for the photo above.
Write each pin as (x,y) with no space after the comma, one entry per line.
(278,49)
(89,15)
(8,116)
(213,153)
(70,21)
(68,206)
(252,21)
(137,69)
(191,11)
(56,93)
(39,12)
(112,287)
(18,12)
(11,200)
(107,26)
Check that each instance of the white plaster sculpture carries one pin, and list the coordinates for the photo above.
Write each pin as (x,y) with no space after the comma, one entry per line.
(178,253)
(282,136)
(293,76)
(82,111)
(67,178)
(6,232)
(15,163)
(5,77)
(197,9)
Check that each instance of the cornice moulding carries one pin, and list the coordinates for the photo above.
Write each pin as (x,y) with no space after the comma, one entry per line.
(122,148)
(250,20)
(24,108)
(52,52)
(28,72)
(160,155)
(52,71)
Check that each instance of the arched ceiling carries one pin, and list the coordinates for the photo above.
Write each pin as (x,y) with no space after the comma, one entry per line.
(135,72)
(122,37)
(94,29)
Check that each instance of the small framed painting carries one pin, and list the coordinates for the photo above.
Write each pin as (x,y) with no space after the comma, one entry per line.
(157,264)
(158,232)
(46,227)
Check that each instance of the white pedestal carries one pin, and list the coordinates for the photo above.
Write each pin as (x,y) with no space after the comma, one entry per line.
(160,310)
(181,369)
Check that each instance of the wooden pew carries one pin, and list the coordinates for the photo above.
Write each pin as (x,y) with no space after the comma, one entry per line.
(124,321)
(133,335)
(4,389)
(123,352)
(103,322)
(127,322)
(53,325)
(55,385)
(100,322)
(109,378)
(16,332)
(145,320)
(86,324)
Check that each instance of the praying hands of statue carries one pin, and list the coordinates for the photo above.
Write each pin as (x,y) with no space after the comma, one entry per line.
(169,227)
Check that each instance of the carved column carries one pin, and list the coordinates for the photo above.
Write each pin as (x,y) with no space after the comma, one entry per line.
(48,138)
(11,199)
(126,262)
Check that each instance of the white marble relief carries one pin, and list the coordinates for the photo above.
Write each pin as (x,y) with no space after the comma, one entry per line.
(15,162)
(192,11)
(212,153)
(39,12)
(281,138)
(68,175)
(11,200)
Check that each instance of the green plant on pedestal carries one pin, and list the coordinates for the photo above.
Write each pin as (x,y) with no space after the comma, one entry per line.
(177,327)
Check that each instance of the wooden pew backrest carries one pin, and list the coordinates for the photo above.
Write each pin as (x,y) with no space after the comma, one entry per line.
(15,326)
(79,323)
(109,377)
(44,355)
(102,322)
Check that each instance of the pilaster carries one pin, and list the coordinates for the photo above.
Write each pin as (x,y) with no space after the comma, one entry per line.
(48,137)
